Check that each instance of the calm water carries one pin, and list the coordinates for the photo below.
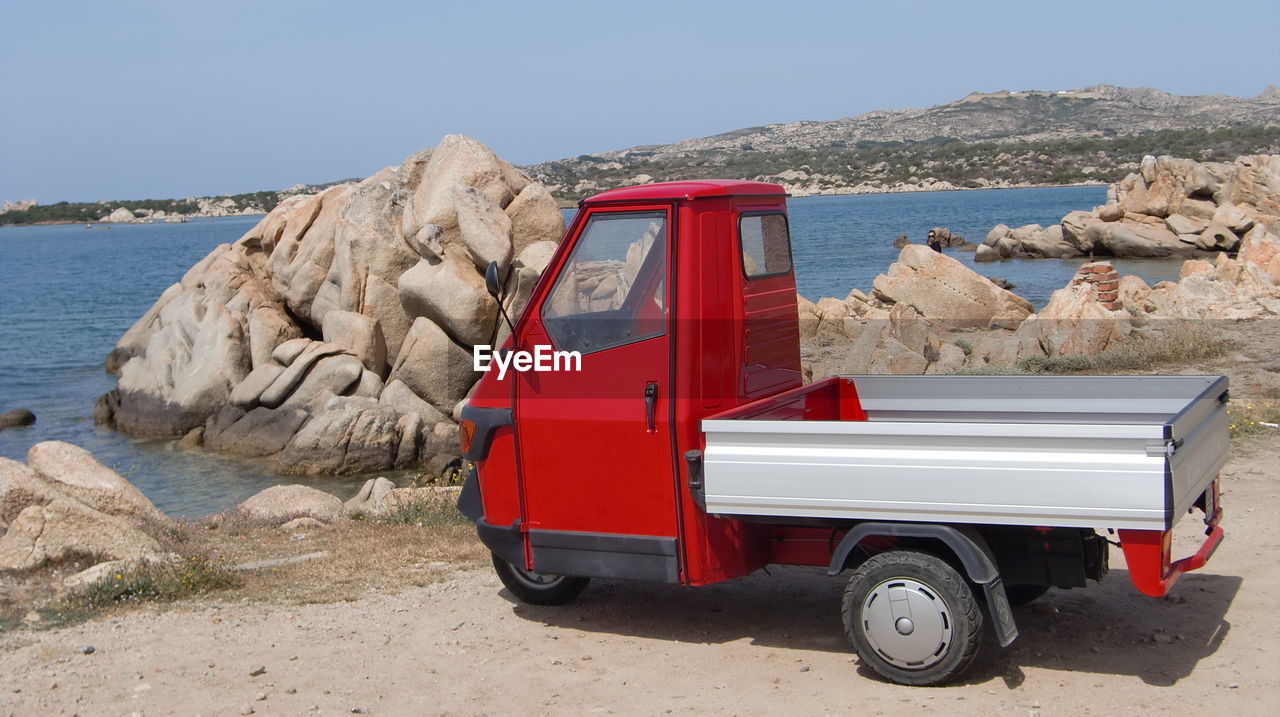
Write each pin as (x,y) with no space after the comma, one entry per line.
(67,294)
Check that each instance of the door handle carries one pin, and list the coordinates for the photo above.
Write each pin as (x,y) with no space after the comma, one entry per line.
(651,405)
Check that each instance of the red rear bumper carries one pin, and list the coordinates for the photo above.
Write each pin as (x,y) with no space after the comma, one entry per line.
(1147,552)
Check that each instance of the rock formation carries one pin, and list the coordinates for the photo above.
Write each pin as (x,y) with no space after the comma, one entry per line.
(943,289)
(335,336)
(1244,287)
(931,314)
(63,505)
(1170,208)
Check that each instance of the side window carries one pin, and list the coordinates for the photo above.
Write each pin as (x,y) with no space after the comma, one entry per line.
(766,245)
(610,292)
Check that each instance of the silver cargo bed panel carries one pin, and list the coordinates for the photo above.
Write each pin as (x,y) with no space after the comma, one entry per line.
(1082,451)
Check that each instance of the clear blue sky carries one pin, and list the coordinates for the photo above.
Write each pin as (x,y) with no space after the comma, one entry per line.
(165,98)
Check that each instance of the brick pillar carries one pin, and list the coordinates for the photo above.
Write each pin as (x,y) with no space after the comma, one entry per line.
(1105,278)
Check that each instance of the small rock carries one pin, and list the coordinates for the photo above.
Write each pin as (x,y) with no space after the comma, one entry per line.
(260,696)
(1161,638)
(1233,686)
(246,710)
(260,670)
(88,650)
(16,418)
(804,668)
(304,523)
(291,691)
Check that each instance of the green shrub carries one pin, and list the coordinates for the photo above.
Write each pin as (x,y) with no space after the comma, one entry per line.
(430,511)
(148,582)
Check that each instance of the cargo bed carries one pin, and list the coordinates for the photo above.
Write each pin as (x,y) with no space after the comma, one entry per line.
(1126,452)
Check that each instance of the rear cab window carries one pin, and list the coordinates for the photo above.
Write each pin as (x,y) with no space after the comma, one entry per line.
(766,244)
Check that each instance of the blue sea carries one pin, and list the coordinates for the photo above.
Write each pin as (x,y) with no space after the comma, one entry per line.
(67,293)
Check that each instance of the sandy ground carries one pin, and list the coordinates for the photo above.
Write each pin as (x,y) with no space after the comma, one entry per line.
(767,644)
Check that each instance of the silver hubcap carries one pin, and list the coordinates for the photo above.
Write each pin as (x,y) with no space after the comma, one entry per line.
(907,623)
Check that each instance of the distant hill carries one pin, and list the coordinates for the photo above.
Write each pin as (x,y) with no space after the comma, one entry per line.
(152,210)
(1092,134)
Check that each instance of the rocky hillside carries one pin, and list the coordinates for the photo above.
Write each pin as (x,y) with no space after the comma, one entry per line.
(998,139)
(29,211)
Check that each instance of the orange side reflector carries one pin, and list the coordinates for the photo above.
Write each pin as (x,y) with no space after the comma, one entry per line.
(466,434)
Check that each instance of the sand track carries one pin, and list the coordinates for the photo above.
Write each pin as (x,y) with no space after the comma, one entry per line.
(767,644)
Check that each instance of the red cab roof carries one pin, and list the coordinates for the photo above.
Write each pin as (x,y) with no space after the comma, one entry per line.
(696,189)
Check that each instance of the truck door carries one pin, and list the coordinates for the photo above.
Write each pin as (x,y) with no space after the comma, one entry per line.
(595,443)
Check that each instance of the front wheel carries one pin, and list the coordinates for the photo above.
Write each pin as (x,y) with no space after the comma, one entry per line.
(912,618)
(537,588)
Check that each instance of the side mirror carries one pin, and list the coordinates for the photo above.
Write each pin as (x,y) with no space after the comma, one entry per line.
(491,281)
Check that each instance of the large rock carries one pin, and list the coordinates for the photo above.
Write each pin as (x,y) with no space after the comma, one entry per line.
(1074,322)
(370,499)
(344,439)
(404,401)
(281,503)
(75,472)
(433,366)
(356,264)
(119,215)
(20,488)
(65,529)
(187,371)
(1261,249)
(359,334)
(260,432)
(452,295)
(1218,236)
(1180,225)
(1132,239)
(331,376)
(942,289)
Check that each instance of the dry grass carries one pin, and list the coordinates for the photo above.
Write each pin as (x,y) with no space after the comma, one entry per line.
(1255,419)
(415,545)
(420,543)
(1162,344)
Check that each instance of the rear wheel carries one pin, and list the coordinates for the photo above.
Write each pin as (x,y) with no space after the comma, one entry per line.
(912,618)
(537,588)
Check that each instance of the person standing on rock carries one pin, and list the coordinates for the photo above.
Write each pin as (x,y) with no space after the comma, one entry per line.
(934,242)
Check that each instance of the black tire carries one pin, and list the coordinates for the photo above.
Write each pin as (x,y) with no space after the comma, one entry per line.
(537,589)
(1023,594)
(934,601)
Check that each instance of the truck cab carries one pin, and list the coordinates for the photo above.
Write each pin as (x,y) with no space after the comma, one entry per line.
(681,299)
(677,443)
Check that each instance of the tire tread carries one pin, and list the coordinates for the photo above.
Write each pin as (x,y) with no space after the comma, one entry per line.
(969,615)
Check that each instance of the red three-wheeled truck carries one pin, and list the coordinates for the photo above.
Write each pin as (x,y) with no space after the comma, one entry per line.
(683,447)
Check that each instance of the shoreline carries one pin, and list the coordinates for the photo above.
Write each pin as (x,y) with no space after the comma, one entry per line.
(128,224)
(573,203)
